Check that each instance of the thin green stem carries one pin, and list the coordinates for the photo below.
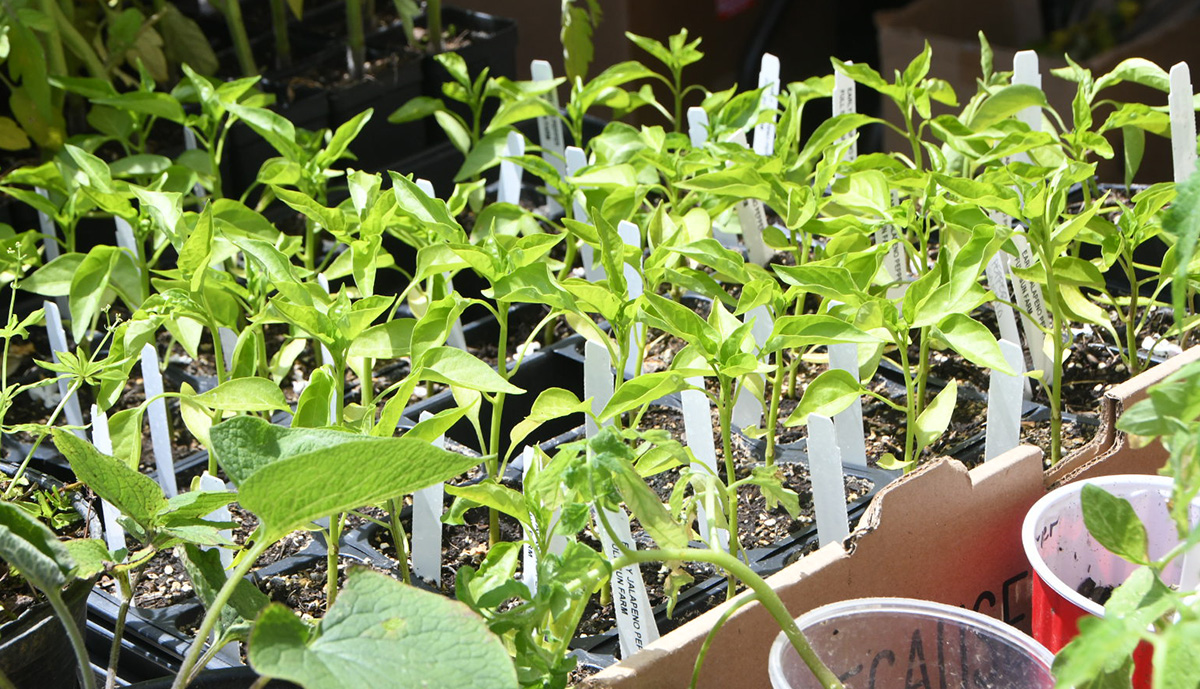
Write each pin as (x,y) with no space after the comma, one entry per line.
(124,579)
(433,10)
(773,408)
(73,633)
(241,41)
(283,42)
(493,448)
(398,539)
(213,614)
(910,434)
(355,37)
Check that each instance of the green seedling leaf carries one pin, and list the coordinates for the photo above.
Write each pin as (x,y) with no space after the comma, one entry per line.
(494,496)
(932,422)
(136,495)
(294,490)
(243,395)
(643,390)
(1005,103)
(208,576)
(382,634)
(390,340)
(31,547)
(973,341)
(552,403)
(245,444)
(456,367)
(89,555)
(829,393)
(1114,524)
(794,332)
(312,409)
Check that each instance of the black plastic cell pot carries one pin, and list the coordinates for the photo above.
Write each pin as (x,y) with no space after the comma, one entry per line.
(227,678)
(35,651)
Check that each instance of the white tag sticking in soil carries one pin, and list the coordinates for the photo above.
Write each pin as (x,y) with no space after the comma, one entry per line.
(752,215)
(189,143)
(768,80)
(848,424)
(597,382)
(58,343)
(593,271)
(698,133)
(156,413)
(748,406)
(698,429)
(427,526)
(550,130)
(635,619)
(510,172)
(632,236)
(1029,297)
(114,534)
(828,482)
(558,543)
(1004,403)
(221,514)
(1183,122)
(845,103)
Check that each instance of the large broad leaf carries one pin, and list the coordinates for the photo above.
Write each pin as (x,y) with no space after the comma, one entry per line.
(794,332)
(552,403)
(643,390)
(829,393)
(136,495)
(1005,103)
(973,341)
(382,634)
(456,367)
(243,395)
(245,444)
(294,490)
(28,545)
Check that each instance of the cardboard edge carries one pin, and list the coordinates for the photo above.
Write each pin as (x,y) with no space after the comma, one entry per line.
(902,501)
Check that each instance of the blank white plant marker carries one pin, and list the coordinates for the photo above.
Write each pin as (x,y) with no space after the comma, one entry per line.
(156,413)
(597,382)
(189,143)
(58,343)
(848,423)
(510,172)
(747,408)
(1027,72)
(828,482)
(221,514)
(1183,122)
(592,270)
(550,130)
(50,243)
(114,534)
(768,80)
(1004,404)
(427,525)
(698,428)
(229,341)
(632,236)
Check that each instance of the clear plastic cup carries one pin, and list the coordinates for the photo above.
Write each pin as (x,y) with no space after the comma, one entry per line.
(894,643)
(1063,555)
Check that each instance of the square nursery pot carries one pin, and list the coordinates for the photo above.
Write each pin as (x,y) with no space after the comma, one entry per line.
(911,542)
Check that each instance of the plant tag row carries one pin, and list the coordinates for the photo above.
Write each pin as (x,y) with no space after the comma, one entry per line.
(768,80)
(632,236)
(58,343)
(1183,122)
(550,130)
(635,620)
(698,429)
(558,543)
(828,481)
(510,172)
(848,423)
(114,534)
(1004,403)
(427,506)
(156,413)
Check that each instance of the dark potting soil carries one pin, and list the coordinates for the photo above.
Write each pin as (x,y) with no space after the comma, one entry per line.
(1094,592)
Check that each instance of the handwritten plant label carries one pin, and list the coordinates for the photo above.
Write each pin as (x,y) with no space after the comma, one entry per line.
(156,413)
(1183,122)
(848,423)
(768,80)
(632,236)
(1004,404)
(635,619)
(1029,297)
(58,343)
(550,129)
(698,427)
(510,172)
(427,525)
(597,382)
(114,535)
(828,481)
(845,103)
(997,274)
(752,216)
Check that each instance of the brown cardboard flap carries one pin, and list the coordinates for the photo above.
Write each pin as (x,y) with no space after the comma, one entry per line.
(941,533)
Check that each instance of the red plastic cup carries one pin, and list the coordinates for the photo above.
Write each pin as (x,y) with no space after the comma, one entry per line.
(1063,555)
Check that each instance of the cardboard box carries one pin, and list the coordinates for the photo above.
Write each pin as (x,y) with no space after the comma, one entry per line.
(952,28)
(941,533)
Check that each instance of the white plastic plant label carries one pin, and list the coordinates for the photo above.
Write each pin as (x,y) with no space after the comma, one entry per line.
(550,129)
(189,143)
(698,428)
(828,481)
(592,271)
(747,407)
(1004,404)
(997,275)
(558,543)
(510,172)
(1183,122)
(848,423)
(752,216)
(228,345)
(58,343)
(114,534)
(427,526)
(597,382)
(632,236)
(221,514)
(48,229)
(125,238)
(697,126)
(635,619)
(156,413)
(768,80)
(845,103)
(1029,297)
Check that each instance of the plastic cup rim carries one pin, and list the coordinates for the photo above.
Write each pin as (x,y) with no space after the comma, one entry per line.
(915,607)
(1058,496)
